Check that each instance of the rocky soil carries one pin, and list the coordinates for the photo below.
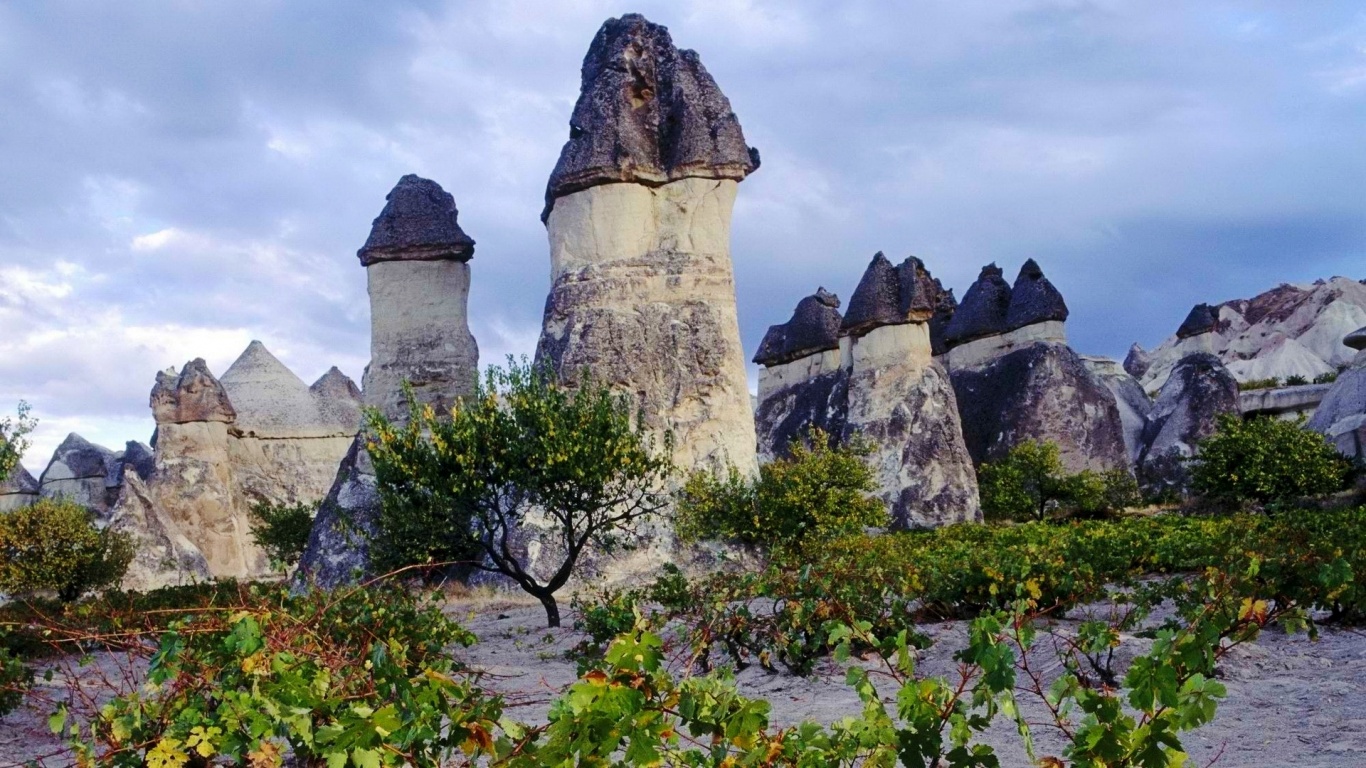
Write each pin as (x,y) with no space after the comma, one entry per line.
(1292,701)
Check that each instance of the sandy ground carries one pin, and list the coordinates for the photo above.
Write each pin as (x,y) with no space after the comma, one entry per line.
(1291,702)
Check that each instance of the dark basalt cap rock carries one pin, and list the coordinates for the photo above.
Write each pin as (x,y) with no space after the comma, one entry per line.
(417,224)
(944,309)
(814,327)
(1200,320)
(1138,361)
(647,113)
(983,311)
(1356,339)
(1034,299)
(888,295)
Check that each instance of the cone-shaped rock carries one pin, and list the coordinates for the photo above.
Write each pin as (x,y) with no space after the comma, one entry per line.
(1200,320)
(814,327)
(1185,412)
(418,223)
(642,288)
(1137,362)
(339,399)
(18,490)
(945,307)
(77,473)
(647,113)
(1341,415)
(888,295)
(1033,299)
(983,310)
(1356,339)
(419,285)
(194,394)
(269,399)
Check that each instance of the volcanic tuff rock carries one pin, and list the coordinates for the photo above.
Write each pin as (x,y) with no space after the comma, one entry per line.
(642,289)
(1033,299)
(1137,362)
(20,489)
(1041,392)
(1199,389)
(814,327)
(648,113)
(1200,320)
(1290,330)
(339,401)
(163,554)
(1133,403)
(419,333)
(983,310)
(192,395)
(419,284)
(1341,415)
(888,295)
(77,472)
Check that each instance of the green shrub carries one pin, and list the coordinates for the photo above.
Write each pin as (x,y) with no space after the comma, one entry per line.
(1295,381)
(52,545)
(1326,378)
(453,489)
(15,679)
(1265,460)
(1030,484)
(815,493)
(282,530)
(14,440)
(1252,384)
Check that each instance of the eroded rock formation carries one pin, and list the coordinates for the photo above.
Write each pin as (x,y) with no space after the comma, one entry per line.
(871,375)
(1199,389)
(416,261)
(638,214)
(1341,415)
(1017,380)
(20,489)
(79,472)
(1290,330)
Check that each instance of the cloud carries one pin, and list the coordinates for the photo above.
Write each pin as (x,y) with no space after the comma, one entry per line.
(185,178)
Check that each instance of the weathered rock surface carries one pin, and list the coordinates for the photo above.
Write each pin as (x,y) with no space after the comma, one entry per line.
(135,456)
(1132,402)
(77,472)
(1341,415)
(1200,320)
(1137,362)
(1033,299)
(638,216)
(419,333)
(163,555)
(901,401)
(1042,392)
(339,401)
(194,394)
(648,113)
(270,401)
(419,301)
(814,327)
(1291,330)
(888,295)
(1199,389)
(983,311)
(20,489)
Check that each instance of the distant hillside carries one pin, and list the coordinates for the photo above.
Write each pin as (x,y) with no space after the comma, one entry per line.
(1290,330)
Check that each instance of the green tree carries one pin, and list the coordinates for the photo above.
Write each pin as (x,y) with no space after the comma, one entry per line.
(523,449)
(282,529)
(14,439)
(1264,460)
(815,493)
(52,545)
(1030,482)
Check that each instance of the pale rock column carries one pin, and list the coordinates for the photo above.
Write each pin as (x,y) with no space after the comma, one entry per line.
(416,261)
(638,213)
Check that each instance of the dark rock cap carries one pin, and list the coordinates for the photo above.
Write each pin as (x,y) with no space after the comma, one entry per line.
(20,480)
(1356,339)
(944,309)
(1034,299)
(983,310)
(417,224)
(1200,320)
(1138,361)
(888,295)
(647,113)
(81,457)
(814,327)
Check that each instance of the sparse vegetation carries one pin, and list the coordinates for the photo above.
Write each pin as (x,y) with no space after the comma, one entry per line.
(815,493)
(1295,380)
(1031,484)
(14,439)
(1251,384)
(1266,460)
(53,546)
(522,453)
(282,530)
(1326,378)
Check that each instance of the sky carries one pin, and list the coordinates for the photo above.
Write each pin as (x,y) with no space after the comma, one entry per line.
(179,178)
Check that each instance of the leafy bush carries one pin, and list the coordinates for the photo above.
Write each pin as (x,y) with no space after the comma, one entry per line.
(1265,460)
(365,677)
(1326,378)
(815,493)
(14,440)
(1030,483)
(15,680)
(52,545)
(454,489)
(1252,384)
(282,530)
(1295,381)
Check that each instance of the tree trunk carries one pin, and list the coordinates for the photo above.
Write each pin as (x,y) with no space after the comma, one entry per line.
(552,611)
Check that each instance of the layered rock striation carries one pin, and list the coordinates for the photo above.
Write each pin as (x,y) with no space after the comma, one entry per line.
(877,381)
(638,213)
(417,266)
(1017,380)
